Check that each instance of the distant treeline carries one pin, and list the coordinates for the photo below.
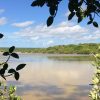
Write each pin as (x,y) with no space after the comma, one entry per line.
(86,48)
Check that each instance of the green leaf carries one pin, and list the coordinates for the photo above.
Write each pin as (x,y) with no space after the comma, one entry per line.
(11,71)
(80,19)
(80,3)
(52,10)
(90,22)
(34,3)
(1,35)
(21,66)
(70,7)
(6,53)
(97,3)
(15,55)
(38,3)
(95,24)
(42,3)
(90,17)
(11,49)
(50,21)
(71,15)
(16,75)
(2,71)
(5,66)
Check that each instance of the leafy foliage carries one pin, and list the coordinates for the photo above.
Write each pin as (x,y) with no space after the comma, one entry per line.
(95,24)
(76,8)
(11,49)
(16,75)
(8,93)
(21,66)
(85,48)
(50,21)
(53,8)
(11,71)
(6,53)
(71,15)
(95,92)
(5,64)
(15,55)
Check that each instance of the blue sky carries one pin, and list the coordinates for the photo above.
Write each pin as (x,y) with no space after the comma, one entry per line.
(25,26)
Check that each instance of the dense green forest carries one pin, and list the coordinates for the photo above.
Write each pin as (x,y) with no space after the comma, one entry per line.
(86,48)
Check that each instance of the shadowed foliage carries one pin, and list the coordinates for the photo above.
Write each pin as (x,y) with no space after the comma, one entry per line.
(8,93)
(76,8)
(4,66)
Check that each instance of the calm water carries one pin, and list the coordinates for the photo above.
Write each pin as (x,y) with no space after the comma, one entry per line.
(49,78)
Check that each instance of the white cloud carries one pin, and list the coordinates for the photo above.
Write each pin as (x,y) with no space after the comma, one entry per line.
(23,24)
(35,38)
(3,20)
(50,42)
(63,31)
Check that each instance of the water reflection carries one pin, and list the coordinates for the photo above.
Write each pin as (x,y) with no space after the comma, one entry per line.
(50,92)
(50,79)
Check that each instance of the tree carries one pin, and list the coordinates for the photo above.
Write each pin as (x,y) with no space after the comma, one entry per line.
(92,9)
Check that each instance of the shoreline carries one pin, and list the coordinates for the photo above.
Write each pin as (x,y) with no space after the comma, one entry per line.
(52,54)
(49,54)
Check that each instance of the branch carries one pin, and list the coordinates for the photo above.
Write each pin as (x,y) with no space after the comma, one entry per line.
(97,14)
(8,75)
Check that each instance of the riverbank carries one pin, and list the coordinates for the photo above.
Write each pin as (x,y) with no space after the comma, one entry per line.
(65,57)
(86,48)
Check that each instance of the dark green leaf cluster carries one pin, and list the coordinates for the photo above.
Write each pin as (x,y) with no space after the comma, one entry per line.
(92,8)
(76,8)
(53,8)
(11,53)
(4,65)
(15,71)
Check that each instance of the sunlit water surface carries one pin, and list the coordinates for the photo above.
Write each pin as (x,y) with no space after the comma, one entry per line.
(48,78)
